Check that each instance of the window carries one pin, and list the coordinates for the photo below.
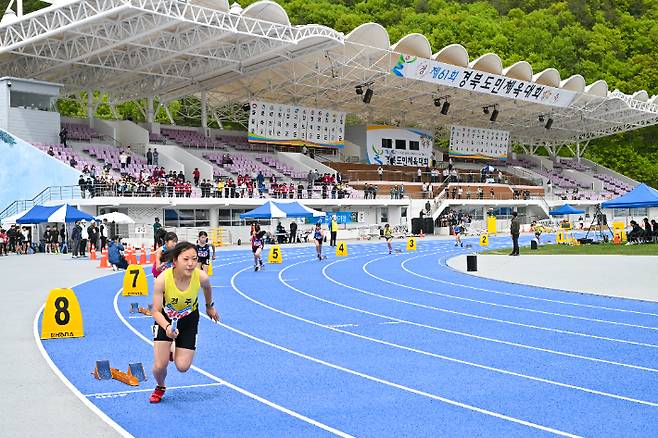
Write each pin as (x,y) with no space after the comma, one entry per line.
(401,144)
(383,215)
(414,145)
(387,143)
(174,217)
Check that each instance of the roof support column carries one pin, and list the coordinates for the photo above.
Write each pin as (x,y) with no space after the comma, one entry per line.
(90,107)
(219,122)
(165,105)
(204,112)
(150,115)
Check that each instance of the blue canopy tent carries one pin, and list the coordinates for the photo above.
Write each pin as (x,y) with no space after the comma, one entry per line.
(281,210)
(58,213)
(295,209)
(641,196)
(268,210)
(565,209)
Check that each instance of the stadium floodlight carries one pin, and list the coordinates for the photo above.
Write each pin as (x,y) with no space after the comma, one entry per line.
(445,108)
(549,123)
(540,118)
(485,110)
(437,102)
(359,89)
(367,95)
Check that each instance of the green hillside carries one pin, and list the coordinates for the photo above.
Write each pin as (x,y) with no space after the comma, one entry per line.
(600,39)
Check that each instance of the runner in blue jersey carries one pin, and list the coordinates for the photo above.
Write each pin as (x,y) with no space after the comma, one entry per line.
(318,236)
(203,249)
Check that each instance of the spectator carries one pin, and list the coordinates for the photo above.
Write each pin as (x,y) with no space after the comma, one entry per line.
(83,186)
(63,136)
(149,157)
(51,152)
(515,230)
(635,234)
(156,157)
(103,233)
(76,236)
(84,238)
(115,255)
(156,227)
(293,232)
(380,172)
(196,174)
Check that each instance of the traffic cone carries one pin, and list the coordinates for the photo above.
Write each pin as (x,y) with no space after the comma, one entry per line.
(142,255)
(92,252)
(104,263)
(133,259)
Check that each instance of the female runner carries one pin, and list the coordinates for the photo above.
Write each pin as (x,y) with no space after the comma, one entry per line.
(176,313)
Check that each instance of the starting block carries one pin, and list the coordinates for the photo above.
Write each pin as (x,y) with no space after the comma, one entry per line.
(102,370)
(135,374)
(134,307)
(148,311)
(126,378)
(137,370)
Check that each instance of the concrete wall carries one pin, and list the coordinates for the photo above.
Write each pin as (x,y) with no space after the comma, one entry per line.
(188,160)
(168,162)
(34,126)
(129,133)
(4,106)
(26,171)
(304,162)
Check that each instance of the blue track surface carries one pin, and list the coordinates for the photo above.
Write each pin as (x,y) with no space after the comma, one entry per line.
(379,345)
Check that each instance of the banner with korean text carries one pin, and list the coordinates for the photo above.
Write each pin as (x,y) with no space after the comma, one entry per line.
(448,75)
(295,125)
(478,143)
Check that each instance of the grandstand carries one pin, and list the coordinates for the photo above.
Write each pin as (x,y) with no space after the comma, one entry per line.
(172,53)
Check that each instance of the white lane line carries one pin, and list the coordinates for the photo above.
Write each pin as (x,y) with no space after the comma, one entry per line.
(85,401)
(485,318)
(570,303)
(133,391)
(506,306)
(427,353)
(235,387)
(370,377)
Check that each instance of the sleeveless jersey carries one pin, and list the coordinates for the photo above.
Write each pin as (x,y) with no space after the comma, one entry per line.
(257,240)
(182,302)
(388,232)
(317,234)
(203,252)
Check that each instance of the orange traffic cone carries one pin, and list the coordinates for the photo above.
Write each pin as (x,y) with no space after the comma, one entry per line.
(133,256)
(104,263)
(142,256)
(92,252)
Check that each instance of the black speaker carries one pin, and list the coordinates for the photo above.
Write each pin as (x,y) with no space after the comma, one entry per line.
(367,96)
(428,225)
(415,225)
(471,263)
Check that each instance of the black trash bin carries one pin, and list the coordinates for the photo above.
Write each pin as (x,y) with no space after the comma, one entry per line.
(471,263)
(533,244)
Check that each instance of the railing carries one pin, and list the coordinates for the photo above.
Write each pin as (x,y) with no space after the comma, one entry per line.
(406,176)
(54,193)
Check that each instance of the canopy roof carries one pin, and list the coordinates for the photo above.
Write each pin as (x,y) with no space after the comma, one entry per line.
(272,210)
(565,209)
(140,48)
(641,196)
(58,213)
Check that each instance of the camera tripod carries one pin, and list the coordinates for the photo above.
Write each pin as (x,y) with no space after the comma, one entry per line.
(599,219)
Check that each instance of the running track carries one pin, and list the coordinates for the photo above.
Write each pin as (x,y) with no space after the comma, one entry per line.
(378,345)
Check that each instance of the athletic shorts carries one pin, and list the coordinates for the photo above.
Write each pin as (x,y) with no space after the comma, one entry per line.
(255,248)
(187,330)
(319,241)
(204,261)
